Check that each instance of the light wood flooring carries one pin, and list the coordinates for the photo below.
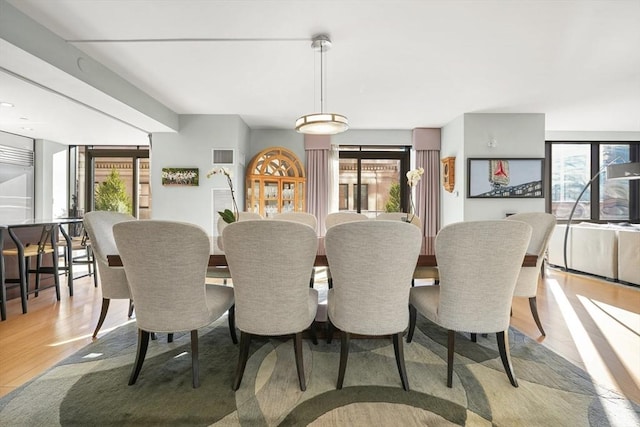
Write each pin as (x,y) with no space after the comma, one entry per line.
(593,323)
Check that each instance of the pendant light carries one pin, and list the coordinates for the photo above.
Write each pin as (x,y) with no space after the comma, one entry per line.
(322,123)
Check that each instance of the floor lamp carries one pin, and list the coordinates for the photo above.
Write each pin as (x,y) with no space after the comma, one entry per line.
(621,171)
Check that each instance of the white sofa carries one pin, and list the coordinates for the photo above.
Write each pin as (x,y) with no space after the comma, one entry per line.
(606,250)
(629,256)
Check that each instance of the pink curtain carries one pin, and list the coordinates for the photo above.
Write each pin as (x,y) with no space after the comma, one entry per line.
(318,177)
(426,142)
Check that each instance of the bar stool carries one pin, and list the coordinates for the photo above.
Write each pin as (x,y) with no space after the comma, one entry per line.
(73,240)
(23,252)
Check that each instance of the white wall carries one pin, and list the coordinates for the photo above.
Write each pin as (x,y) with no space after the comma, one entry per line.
(452,145)
(192,147)
(515,135)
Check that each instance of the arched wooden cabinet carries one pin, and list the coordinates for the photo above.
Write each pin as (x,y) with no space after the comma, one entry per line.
(275,182)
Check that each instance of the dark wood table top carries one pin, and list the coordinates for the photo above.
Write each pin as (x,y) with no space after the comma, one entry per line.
(426,258)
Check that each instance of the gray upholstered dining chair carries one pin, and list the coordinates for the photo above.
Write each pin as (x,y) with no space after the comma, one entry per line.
(420,272)
(372,264)
(223,273)
(303,218)
(399,216)
(270,263)
(479,264)
(113,281)
(165,263)
(335,218)
(542,224)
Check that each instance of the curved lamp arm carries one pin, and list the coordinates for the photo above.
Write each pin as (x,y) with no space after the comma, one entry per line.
(575,205)
(573,209)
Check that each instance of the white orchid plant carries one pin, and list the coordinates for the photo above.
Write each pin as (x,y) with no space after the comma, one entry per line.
(227,215)
(413,176)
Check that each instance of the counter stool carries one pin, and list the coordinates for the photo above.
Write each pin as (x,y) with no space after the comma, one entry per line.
(24,253)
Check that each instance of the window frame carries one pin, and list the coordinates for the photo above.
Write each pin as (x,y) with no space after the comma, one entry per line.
(365,152)
(594,201)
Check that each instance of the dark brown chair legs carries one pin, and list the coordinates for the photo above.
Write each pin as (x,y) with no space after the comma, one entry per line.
(245,341)
(399,351)
(103,314)
(143,344)
(413,314)
(344,355)
(232,324)
(297,348)
(503,348)
(534,311)
(397,348)
(195,365)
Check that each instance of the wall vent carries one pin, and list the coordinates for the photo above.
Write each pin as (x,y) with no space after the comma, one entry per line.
(16,156)
(223,157)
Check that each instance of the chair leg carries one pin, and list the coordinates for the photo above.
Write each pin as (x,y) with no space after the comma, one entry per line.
(398,350)
(451,340)
(195,366)
(38,265)
(533,304)
(56,278)
(232,324)
(413,314)
(130,309)
(95,268)
(329,331)
(312,332)
(297,348)
(103,314)
(344,355)
(245,340)
(503,347)
(143,343)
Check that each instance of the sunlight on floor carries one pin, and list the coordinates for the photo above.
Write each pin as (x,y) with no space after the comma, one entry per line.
(621,330)
(84,337)
(587,350)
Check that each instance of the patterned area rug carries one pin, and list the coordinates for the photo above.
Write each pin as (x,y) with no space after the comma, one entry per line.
(90,387)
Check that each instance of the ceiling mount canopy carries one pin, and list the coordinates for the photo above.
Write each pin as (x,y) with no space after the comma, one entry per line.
(322,123)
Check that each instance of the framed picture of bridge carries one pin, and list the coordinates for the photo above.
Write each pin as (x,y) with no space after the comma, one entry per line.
(504,178)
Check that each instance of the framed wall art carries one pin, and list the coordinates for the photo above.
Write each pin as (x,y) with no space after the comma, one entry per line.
(180,176)
(502,178)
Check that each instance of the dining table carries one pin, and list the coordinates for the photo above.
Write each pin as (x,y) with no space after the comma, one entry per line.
(426,258)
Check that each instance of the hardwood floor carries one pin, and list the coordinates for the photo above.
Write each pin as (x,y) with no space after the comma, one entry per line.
(593,323)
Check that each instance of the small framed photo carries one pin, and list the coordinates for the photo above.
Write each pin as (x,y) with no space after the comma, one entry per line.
(180,176)
(505,178)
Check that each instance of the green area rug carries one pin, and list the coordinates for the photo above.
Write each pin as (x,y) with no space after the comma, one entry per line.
(90,388)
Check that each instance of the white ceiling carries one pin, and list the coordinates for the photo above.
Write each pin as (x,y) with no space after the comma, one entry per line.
(393,64)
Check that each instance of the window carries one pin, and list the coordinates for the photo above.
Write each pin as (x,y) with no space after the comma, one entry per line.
(571,167)
(343,203)
(373,179)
